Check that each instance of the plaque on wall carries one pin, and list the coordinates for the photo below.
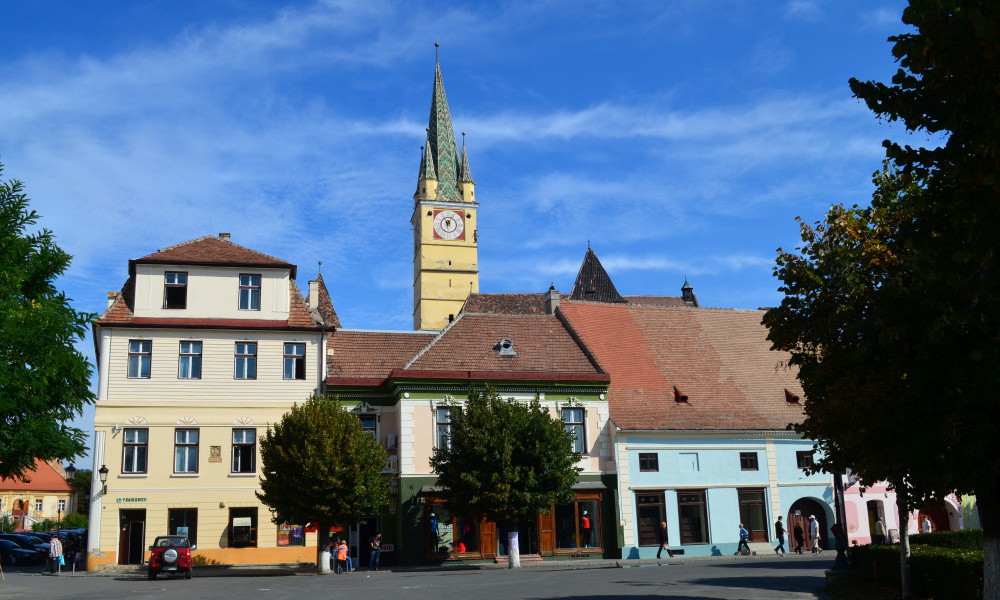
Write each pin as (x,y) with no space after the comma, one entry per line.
(215,454)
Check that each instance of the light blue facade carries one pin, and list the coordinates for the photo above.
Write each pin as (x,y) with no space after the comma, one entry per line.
(692,466)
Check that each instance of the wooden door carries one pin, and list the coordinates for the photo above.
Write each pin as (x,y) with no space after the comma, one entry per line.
(546,536)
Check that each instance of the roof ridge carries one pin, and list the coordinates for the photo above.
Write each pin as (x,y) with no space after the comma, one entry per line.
(431,343)
(218,239)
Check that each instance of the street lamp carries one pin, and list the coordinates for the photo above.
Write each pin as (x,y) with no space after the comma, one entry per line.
(70,472)
(103,474)
(70,476)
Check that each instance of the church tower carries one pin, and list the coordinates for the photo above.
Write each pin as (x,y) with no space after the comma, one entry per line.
(445,240)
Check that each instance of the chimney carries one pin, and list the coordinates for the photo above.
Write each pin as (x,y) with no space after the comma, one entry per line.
(552,301)
(111,298)
(313,300)
(224,237)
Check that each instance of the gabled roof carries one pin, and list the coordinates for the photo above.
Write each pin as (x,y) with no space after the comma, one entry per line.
(367,357)
(45,478)
(593,283)
(541,345)
(211,250)
(720,359)
(325,305)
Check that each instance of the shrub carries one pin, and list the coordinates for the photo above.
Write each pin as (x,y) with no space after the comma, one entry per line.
(939,573)
(967,539)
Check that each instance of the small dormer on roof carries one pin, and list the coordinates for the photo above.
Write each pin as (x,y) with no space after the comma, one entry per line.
(505,347)
(687,293)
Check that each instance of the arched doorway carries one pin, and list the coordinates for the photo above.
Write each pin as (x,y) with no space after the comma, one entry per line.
(798,515)
(937,514)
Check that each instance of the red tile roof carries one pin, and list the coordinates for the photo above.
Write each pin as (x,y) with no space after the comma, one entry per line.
(44,478)
(535,304)
(325,307)
(371,355)
(210,250)
(541,345)
(720,359)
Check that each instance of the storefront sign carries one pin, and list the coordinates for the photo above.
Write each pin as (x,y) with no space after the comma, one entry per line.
(124,500)
(387,548)
(242,521)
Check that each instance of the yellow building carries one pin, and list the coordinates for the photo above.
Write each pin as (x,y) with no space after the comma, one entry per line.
(206,345)
(445,236)
(43,495)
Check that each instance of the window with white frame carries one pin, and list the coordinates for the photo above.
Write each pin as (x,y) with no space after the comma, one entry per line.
(175,289)
(246,360)
(140,357)
(369,423)
(135,450)
(189,361)
(573,421)
(442,419)
(185,451)
(249,291)
(62,505)
(295,361)
(244,450)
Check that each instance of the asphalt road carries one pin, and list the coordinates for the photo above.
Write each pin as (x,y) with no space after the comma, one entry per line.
(728,578)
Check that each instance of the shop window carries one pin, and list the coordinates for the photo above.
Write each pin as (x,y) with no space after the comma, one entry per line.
(748,461)
(804,459)
(246,360)
(140,357)
(244,450)
(693,512)
(175,289)
(249,291)
(573,421)
(447,533)
(189,361)
(185,451)
(442,418)
(649,461)
(242,527)
(291,535)
(183,521)
(752,514)
(578,524)
(650,513)
(135,450)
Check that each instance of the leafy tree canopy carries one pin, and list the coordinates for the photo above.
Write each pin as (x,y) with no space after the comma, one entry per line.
(319,465)
(506,461)
(44,379)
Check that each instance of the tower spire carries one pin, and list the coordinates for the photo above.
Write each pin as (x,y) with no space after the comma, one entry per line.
(464,172)
(441,140)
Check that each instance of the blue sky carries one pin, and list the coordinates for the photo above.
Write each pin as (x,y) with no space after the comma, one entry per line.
(680,138)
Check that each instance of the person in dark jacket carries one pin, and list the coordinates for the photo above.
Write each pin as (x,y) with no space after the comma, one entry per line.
(664,542)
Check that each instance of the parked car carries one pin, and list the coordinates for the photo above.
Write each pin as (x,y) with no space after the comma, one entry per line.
(12,554)
(170,554)
(27,541)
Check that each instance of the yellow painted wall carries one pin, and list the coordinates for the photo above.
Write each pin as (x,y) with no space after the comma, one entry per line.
(213,292)
(445,272)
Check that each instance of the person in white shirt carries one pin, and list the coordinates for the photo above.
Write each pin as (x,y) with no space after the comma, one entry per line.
(814,534)
(927,524)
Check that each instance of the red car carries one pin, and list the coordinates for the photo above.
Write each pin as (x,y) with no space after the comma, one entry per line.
(170,554)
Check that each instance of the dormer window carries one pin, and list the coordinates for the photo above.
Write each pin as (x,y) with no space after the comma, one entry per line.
(505,347)
(175,289)
(249,291)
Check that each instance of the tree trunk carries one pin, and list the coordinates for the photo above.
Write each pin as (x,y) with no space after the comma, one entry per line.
(323,549)
(990,522)
(513,551)
(905,580)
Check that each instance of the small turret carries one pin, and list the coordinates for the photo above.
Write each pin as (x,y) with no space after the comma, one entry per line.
(687,293)
(465,183)
(427,181)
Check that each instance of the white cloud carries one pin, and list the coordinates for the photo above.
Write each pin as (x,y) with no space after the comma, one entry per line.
(807,10)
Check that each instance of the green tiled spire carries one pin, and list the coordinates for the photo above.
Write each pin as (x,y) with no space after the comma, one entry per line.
(464,172)
(426,163)
(441,142)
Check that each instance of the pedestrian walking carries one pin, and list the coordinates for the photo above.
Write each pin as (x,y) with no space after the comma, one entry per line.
(800,538)
(879,537)
(779,533)
(376,545)
(744,539)
(55,553)
(927,525)
(664,542)
(814,534)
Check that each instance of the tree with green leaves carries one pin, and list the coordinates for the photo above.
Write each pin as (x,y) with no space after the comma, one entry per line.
(318,465)
(919,318)
(44,378)
(505,461)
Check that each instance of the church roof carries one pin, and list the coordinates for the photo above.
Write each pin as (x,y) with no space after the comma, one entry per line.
(718,359)
(441,137)
(593,283)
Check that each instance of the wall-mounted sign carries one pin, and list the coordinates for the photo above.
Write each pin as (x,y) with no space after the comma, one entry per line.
(242,521)
(215,454)
(124,500)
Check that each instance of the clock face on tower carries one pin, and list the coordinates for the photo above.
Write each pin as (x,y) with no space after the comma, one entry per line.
(448,225)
